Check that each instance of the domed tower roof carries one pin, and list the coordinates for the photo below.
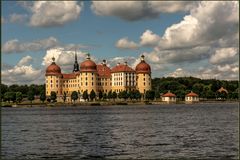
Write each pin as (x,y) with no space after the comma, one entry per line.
(88,65)
(143,67)
(53,69)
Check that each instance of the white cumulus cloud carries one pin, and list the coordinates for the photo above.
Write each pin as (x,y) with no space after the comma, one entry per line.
(224,55)
(208,22)
(124,43)
(148,38)
(136,10)
(25,61)
(22,73)
(15,46)
(54,13)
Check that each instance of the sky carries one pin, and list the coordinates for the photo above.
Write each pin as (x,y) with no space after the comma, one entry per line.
(178,38)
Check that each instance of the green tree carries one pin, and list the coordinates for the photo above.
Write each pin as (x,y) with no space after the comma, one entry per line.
(85,95)
(100,95)
(210,94)
(64,97)
(131,95)
(7,96)
(233,95)
(157,94)
(109,96)
(221,95)
(74,96)
(13,88)
(24,89)
(42,96)
(19,97)
(4,89)
(138,95)
(150,94)
(92,95)
(198,88)
(215,85)
(31,96)
(105,96)
(114,95)
(53,96)
(124,95)
(180,94)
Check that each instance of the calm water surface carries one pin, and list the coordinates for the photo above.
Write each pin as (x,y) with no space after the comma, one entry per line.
(206,131)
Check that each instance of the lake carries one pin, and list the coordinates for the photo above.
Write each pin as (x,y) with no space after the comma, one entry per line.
(205,131)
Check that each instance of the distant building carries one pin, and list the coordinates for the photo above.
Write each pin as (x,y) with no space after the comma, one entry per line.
(98,77)
(222,93)
(222,90)
(169,97)
(191,97)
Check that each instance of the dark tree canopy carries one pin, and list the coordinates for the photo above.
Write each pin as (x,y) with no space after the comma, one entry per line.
(31,96)
(109,96)
(74,96)
(114,95)
(150,95)
(53,96)
(43,96)
(100,95)
(19,97)
(92,95)
(85,95)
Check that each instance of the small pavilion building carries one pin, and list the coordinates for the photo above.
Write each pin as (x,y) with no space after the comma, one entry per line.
(222,93)
(169,97)
(192,97)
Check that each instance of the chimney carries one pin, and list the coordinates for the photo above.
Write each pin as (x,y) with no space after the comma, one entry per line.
(125,62)
(88,56)
(118,64)
(104,62)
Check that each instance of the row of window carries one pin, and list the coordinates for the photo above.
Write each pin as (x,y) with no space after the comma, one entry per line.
(102,84)
(130,83)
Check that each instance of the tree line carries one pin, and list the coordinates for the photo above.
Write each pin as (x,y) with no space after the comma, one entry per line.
(134,94)
(205,88)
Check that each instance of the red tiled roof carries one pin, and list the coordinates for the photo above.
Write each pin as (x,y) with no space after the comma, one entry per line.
(122,68)
(169,94)
(88,66)
(222,90)
(69,76)
(192,94)
(53,69)
(103,71)
(143,67)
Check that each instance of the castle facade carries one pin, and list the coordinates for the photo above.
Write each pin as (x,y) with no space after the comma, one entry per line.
(98,77)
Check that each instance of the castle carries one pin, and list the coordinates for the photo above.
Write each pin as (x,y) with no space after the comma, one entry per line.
(98,77)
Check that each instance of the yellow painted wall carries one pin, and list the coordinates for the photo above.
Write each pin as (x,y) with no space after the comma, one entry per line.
(143,82)
(104,85)
(88,82)
(60,85)
(53,83)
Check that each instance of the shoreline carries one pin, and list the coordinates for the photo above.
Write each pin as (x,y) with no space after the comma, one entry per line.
(112,103)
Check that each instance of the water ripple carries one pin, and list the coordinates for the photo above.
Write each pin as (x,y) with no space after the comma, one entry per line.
(121,132)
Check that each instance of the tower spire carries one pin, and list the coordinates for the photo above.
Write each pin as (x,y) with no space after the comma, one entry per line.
(76,65)
(75,55)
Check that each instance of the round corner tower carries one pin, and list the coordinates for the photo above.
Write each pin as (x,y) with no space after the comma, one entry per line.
(143,71)
(53,78)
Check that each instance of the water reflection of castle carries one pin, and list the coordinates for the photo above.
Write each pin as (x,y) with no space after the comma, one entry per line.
(97,77)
